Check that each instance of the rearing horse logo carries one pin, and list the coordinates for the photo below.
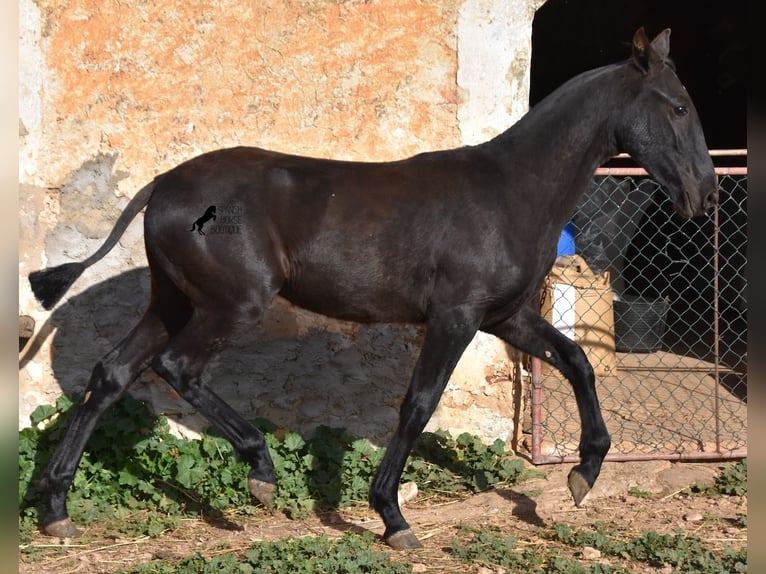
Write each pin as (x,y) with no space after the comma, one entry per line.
(207,216)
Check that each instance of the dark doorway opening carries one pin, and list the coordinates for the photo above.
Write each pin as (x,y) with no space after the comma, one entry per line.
(707,43)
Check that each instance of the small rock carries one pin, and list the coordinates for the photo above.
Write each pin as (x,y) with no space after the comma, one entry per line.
(667,569)
(164,554)
(693,516)
(483,570)
(590,553)
(419,567)
(407,492)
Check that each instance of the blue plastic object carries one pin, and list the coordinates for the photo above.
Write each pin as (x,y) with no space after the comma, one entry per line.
(566,244)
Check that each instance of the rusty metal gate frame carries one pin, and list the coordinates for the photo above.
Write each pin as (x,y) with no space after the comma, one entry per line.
(536,455)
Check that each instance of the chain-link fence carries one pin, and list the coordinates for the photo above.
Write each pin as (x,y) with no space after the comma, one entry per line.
(658,303)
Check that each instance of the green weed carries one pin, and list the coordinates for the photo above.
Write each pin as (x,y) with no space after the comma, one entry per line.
(133,464)
(489,548)
(639,493)
(731,481)
(683,553)
(350,554)
(137,479)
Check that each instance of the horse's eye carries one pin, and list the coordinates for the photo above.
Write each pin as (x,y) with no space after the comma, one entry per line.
(681,110)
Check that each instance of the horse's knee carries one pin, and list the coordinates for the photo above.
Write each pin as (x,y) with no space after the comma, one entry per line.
(581,362)
(166,366)
(106,384)
(175,372)
(573,364)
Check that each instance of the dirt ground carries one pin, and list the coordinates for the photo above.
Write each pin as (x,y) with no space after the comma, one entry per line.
(517,511)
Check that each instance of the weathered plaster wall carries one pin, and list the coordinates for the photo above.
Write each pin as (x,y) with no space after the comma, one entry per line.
(114,92)
(495,57)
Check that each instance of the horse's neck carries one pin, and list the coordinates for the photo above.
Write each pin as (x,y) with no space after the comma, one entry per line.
(557,146)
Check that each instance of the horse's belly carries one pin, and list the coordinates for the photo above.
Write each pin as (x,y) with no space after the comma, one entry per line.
(366,293)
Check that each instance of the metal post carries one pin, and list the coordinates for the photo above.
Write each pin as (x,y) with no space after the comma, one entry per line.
(716,349)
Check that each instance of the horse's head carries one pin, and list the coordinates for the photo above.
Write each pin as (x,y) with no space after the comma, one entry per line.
(661,130)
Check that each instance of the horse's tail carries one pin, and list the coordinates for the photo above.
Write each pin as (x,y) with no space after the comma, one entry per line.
(49,285)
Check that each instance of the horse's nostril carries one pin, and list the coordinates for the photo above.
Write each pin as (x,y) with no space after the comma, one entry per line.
(712,199)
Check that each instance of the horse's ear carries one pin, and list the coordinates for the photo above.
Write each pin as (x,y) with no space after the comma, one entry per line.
(641,48)
(647,55)
(661,44)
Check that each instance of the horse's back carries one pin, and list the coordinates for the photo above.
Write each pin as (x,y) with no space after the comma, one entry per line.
(355,240)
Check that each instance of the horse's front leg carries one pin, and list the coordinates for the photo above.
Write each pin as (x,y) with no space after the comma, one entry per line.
(447,336)
(530,333)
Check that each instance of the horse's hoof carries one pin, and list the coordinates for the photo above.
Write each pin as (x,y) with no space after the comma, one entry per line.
(578,486)
(403,540)
(263,491)
(62,529)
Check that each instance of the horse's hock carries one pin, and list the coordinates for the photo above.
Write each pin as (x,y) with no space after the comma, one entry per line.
(114,95)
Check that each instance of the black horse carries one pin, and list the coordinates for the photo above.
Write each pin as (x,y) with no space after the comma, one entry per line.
(459,240)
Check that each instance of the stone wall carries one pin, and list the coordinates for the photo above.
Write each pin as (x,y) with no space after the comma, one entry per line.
(115,92)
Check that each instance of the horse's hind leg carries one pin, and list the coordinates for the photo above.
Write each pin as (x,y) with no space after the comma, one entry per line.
(111,377)
(530,333)
(182,364)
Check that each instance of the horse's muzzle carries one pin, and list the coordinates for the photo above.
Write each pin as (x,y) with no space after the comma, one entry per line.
(699,199)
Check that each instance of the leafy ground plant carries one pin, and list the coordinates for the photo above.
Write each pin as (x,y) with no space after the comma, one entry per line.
(731,481)
(148,497)
(682,552)
(349,554)
(677,553)
(133,464)
(492,549)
